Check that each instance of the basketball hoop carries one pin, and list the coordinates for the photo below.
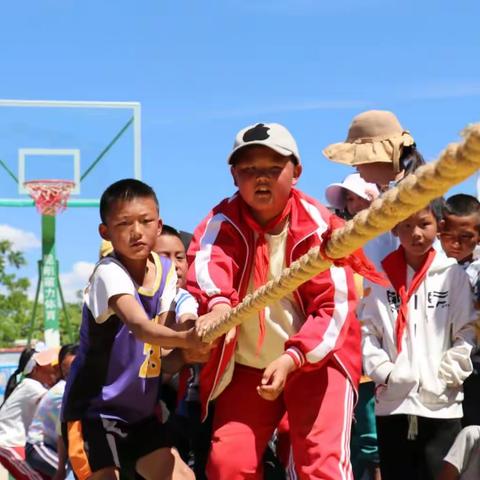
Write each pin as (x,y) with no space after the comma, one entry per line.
(50,196)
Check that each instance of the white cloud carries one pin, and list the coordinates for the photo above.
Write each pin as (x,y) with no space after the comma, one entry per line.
(21,239)
(443,90)
(72,281)
(75,280)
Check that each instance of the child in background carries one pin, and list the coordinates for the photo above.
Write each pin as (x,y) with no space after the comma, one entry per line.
(417,339)
(348,198)
(463,459)
(42,438)
(351,196)
(40,373)
(459,236)
(384,153)
(16,377)
(170,244)
(112,392)
(301,354)
(379,148)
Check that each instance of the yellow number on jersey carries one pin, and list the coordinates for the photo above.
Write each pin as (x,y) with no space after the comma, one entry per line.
(151,365)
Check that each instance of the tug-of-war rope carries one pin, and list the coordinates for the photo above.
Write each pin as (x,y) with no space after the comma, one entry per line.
(456,163)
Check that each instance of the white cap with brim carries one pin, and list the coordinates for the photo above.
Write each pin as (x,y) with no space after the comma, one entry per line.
(49,356)
(335,193)
(271,135)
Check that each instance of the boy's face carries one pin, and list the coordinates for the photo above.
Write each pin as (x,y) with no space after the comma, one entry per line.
(66,365)
(133,227)
(460,235)
(354,203)
(417,233)
(264,179)
(172,247)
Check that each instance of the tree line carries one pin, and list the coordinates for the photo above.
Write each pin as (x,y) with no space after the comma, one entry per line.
(16,308)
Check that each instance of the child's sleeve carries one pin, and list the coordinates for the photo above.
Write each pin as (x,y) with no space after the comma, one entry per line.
(213,259)
(109,279)
(329,301)
(464,448)
(185,304)
(169,291)
(456,364)
(376,362)
(462,310)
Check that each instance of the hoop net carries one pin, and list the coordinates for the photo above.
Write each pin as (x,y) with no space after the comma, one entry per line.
(50,196)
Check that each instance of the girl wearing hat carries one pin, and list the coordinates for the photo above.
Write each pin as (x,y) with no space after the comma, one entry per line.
(351,196)
(348,198)
(40,373)
(378,147)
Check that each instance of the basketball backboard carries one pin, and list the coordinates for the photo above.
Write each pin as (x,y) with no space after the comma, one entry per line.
(92,144)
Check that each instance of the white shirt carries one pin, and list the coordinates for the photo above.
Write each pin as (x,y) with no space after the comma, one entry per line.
(283,318)
(17,412)
(439,337)
(43,428)
(464,454)
(111,278)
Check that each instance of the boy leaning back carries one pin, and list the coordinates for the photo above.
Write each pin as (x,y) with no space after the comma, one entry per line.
(301,354)
(112,391)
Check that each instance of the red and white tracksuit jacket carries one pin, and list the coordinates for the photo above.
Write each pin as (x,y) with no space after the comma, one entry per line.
(221,256)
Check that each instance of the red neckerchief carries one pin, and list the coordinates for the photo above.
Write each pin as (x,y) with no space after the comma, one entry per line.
(357,261)
(395,267)
(261,260)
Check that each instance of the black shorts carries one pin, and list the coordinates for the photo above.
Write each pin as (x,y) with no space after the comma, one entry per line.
(93,444)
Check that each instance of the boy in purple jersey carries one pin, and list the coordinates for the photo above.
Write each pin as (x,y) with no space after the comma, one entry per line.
(111,393)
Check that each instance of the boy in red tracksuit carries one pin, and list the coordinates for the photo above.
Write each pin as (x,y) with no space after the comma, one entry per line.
(301,354)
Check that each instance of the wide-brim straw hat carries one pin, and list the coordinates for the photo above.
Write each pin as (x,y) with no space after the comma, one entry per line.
(373,136)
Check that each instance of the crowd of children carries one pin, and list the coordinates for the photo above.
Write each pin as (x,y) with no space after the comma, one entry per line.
(346,377)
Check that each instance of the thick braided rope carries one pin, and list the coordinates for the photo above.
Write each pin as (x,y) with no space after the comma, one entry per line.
(456,163)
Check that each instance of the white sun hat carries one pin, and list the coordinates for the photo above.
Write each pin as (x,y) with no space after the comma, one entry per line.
(335,193)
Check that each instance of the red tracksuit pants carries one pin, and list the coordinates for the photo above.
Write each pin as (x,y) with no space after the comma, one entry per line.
(319,405)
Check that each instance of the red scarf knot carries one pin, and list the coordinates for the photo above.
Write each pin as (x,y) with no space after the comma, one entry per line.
(395,266)
(357,261)
(261,258)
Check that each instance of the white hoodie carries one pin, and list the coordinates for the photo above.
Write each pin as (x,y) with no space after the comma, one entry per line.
(426,378)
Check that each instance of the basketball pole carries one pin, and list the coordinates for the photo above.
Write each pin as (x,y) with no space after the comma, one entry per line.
(50,283)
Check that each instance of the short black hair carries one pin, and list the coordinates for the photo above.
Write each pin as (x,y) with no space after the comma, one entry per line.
(461,205)
(65,351)
(124,190)
(436,207)
(184,237)
(168,230)
(68,349)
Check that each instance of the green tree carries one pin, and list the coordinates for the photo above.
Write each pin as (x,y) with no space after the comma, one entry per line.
(15,307)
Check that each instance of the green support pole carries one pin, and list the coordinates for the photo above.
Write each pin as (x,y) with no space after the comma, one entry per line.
(35,304)
(66,316)
(50,283)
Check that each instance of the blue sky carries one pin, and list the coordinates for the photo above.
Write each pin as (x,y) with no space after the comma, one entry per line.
(203,70)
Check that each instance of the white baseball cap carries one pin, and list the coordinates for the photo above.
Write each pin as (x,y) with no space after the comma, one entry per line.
(48,356)
(335,193)
(271,135)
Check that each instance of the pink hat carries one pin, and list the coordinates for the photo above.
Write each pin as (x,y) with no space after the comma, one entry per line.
(335,192)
